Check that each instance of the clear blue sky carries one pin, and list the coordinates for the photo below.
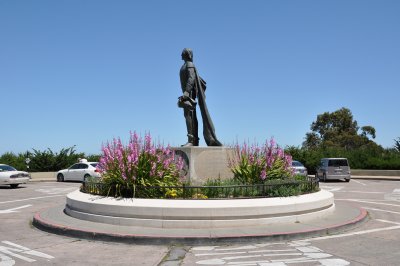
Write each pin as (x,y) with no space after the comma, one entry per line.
(82,72)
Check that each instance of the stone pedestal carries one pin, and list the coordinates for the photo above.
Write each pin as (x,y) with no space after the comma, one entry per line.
(202,163)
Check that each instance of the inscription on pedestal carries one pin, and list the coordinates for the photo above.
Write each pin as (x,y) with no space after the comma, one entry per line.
(204,163)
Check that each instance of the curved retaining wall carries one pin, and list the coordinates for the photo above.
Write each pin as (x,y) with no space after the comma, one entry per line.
(158,213)
(363,172)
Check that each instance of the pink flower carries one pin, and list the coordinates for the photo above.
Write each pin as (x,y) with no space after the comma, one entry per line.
(280,153)
(255,158)
(272,142)
(263,174)
(140,158)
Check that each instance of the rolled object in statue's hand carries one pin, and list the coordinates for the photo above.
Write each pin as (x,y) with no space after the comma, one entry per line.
(186,102)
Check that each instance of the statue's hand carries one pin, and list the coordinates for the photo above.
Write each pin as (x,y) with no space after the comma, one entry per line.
(186,94)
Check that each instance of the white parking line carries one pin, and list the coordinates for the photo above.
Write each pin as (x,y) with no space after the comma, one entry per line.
(245,252)
(386,221)
(330,188)
(358,182)
(365,192)
(7,252)
(11,201)
(14,209)
(6,260)
(298,252)
(379,210)
(372,202)
(28,250)
(55,190)
(355,233)
(218,248)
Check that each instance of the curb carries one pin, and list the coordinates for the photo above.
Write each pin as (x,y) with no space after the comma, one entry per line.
(42,180)
(385,178)
(50,227)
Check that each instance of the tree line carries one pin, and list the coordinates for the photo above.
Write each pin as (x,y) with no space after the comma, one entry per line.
(335,134)
(46,160)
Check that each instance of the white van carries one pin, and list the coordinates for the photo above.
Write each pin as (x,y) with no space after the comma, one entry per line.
(333,168)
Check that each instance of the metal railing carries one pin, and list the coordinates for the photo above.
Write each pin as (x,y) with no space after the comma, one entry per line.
(281,188)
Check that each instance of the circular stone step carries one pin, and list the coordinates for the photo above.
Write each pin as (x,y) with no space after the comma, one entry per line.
(199,214)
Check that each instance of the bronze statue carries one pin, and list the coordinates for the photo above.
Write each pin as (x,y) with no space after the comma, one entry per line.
(193,86)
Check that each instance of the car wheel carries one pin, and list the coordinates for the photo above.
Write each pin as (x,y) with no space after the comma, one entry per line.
(347,179)
(14,185)
(60,178)
(324,177)
(86,177)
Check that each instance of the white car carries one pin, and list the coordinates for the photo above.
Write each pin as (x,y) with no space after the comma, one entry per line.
(12,177)
(299,169)
(79,172)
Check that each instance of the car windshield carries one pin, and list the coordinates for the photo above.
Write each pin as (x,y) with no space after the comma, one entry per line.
(94,164)
(5,168)
(338,162)
(296,163)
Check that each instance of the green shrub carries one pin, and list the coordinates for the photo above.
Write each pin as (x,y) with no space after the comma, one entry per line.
(16,161)
(366,157)
(46,160)
(49,161)
(233,188)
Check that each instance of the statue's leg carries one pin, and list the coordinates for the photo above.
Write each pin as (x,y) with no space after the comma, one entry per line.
(195,131)
(188,119)
(189,126)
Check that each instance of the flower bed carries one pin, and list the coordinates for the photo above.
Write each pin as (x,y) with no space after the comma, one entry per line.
(142,169)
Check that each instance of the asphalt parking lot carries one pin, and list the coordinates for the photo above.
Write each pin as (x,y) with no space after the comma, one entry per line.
(374,242)
(22,244)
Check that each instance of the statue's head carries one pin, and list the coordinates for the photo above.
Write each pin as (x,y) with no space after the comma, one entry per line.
(187,54)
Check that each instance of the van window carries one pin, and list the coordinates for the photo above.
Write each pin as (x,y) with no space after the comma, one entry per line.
(337,163)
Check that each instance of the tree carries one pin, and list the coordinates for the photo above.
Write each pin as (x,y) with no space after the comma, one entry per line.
(16,161)
(337,129)
(48,160)
(397,144)
(338,122)
(368,130)
(313,141)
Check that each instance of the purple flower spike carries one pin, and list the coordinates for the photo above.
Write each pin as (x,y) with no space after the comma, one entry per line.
(251,163)
(139,160)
